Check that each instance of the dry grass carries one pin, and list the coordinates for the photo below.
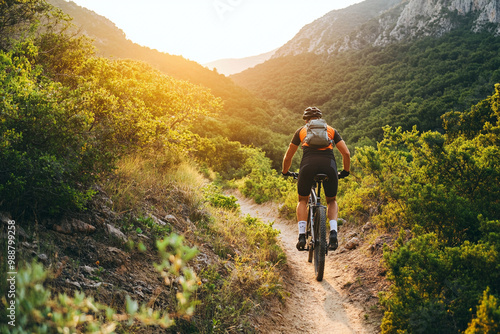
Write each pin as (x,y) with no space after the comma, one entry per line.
(247,249)
(160,180)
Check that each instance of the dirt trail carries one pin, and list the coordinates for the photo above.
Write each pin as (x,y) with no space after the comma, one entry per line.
(312,307)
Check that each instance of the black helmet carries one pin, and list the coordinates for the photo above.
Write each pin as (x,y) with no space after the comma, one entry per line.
(311,112)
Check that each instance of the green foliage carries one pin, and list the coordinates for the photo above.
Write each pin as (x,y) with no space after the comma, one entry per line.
(445,188)
(60,133)
(488,316)
(262,182)
(17,17)
(244,117)
(157,229)
(44,149)
(39,312)
(223,156)
(213,195)
(249,276)
(175,257)
(435,288)
(440,182)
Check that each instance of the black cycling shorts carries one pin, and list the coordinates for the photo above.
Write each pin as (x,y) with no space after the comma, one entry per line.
(319,164)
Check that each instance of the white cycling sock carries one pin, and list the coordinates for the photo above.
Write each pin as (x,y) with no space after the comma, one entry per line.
(302,227)
(333,225)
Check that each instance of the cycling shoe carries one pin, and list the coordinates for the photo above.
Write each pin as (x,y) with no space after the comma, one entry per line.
(333,244)
(302,242)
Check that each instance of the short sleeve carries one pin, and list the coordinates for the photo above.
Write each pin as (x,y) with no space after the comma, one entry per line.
(296,137)
(336,137)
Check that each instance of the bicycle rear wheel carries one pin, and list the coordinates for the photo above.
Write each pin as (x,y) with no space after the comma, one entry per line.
(309,236)
(320,242)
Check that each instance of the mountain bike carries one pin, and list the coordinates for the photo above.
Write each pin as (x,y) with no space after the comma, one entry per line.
(316,243)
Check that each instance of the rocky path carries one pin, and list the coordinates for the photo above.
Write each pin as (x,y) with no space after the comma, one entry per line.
(312,307)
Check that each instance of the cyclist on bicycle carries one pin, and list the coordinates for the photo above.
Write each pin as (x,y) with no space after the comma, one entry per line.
(317,161)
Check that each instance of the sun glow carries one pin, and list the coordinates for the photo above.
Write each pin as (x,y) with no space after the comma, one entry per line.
(206,30)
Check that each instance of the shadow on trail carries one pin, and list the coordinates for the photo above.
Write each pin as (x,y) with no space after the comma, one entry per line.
(335,310)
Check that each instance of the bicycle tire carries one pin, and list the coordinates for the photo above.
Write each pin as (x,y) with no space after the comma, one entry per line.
(309,237)
(320,243)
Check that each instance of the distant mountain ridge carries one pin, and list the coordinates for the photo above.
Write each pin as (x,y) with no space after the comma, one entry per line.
(381,22)
(236,65)
(321,34)
(111,42)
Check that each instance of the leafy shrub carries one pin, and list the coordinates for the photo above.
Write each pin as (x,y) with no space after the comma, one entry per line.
(445,188)
(435,288)
(46,162)
(223,156)
(262,183)
(488,316)
(213,195)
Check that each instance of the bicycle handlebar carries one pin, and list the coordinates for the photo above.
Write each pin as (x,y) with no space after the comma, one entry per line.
(341,174)
(291,174)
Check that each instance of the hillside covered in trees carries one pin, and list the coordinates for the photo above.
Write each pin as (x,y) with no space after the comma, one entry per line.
(406,83)
(243,118)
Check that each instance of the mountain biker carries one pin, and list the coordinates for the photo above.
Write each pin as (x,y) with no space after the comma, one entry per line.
(317,161)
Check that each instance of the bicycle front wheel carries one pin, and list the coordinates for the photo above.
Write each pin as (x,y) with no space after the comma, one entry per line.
(320,242)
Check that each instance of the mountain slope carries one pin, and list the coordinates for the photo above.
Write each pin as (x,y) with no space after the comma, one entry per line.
(413,81)
(320,35)
(111,42)
(237,65)
(245,118)
(380,22)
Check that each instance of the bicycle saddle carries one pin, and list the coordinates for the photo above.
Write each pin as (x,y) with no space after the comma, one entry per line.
(321,177)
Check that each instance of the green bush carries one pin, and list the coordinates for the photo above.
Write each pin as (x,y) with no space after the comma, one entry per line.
(213,195)
(262,183)
(45,160)
(436,288)
(444,187)
(487,320)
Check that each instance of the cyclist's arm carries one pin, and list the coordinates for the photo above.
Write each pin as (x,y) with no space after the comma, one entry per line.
(346,155)
(287,160)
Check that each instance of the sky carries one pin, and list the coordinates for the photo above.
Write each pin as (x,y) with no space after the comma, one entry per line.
(208,30)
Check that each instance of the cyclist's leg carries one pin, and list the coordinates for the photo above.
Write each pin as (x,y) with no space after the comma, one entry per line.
(304,183)
(331,187)
(308,170)
(333,207)
(302,221)
(302,208)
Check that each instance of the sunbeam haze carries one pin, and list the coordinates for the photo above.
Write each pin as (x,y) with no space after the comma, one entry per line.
(207,30)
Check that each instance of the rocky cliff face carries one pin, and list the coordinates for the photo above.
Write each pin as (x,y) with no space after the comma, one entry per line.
(379,22)
(434,17)
(320,35)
